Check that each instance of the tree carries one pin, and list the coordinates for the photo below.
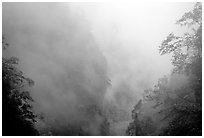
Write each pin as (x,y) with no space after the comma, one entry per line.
(183,114)
(134,128)
(17,115)
(187,50)
(185,111)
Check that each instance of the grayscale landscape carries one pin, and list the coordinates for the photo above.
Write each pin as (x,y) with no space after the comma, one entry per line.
(102,69)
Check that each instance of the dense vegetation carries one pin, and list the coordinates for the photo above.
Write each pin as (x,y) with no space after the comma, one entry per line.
(180,108)
(173,110)
(17,115)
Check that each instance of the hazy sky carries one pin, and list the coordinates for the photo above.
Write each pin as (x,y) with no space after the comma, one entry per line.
(129,35)
(70,50)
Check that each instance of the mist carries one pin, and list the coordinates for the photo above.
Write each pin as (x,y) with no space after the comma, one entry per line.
(89,56)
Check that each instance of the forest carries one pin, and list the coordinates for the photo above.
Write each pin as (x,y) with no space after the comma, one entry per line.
(63,83)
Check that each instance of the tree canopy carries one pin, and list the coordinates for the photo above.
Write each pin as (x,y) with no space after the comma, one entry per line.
(182,107)
(17,115)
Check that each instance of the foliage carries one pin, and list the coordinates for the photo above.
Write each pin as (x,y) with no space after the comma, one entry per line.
(182,112)
(185,111)
(17,115)
(185,119)
(159,94)
(181,107)
(186,49)
(141,126)
(148,126)
(134,128)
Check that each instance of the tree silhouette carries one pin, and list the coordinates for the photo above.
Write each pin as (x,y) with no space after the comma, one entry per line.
(17,115)
(187,109)
(183,112)
(135,128)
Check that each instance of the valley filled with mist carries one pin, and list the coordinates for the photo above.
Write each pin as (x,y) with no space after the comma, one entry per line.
(102,69)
